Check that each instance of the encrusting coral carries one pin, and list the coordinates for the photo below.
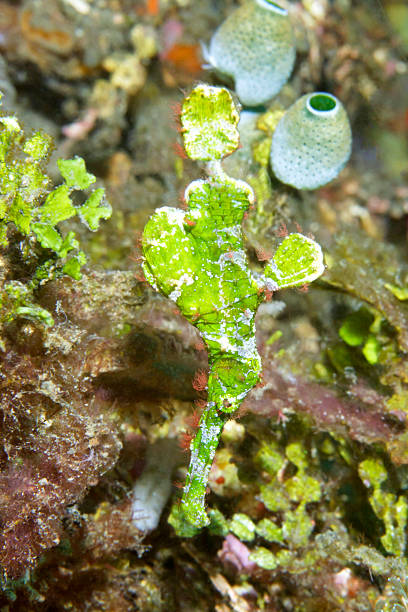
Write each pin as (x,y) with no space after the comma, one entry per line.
(196,258)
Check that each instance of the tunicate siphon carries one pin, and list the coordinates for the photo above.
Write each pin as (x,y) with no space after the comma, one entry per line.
(255,47)
(312,142)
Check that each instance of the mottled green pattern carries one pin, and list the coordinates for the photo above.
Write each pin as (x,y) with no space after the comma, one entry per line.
(27,202)
(222,136)
(196,257)
(392,510)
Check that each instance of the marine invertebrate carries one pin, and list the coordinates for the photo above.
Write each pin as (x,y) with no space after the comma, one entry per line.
(152,489)
(255,47)
(312,141)
(196,258)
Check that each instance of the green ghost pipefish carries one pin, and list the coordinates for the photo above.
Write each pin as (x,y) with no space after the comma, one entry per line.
(196,258)
(312,141)
(255,47)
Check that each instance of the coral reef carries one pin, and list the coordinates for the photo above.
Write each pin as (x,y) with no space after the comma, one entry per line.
(307,494)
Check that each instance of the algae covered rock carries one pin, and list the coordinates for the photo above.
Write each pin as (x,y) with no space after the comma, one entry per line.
(312,141)
(255,47)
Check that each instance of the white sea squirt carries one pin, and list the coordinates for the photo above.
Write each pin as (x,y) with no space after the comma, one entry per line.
(312,141)
(255,47)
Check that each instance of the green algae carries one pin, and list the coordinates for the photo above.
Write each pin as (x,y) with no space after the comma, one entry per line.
(357,266)
(390,508)
(243,527)
(31,208)
(264,558)
(36,212)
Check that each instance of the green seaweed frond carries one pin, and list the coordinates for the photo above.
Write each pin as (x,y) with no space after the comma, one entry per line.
(28,203)
(31,215)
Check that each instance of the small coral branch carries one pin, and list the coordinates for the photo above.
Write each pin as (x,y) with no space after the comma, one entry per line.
(196,257)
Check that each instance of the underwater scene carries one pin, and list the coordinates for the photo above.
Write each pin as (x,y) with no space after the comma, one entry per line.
(204,305)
